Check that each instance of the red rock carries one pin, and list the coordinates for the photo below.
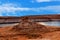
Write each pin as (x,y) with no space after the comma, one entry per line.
(26,28)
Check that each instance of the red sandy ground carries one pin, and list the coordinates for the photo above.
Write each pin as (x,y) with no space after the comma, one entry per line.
(47,36)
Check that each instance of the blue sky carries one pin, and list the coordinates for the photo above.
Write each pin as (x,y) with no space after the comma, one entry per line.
(29,7)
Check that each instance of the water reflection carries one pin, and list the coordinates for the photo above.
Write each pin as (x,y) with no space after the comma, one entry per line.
(51,23)
(4,25)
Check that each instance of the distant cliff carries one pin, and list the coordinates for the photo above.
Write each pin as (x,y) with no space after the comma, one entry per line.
(19,19)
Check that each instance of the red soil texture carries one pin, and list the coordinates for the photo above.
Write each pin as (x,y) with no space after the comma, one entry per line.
(23,28)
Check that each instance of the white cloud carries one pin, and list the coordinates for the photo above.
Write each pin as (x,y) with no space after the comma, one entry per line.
(43,0)
(51,8)
(8,7)
(12,8)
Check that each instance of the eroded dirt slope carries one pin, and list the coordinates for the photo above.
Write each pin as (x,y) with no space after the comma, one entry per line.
(29,30)
(25,29)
